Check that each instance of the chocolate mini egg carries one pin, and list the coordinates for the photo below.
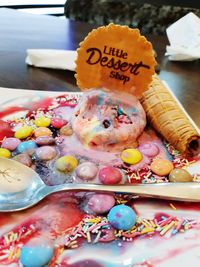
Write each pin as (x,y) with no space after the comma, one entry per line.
(180,176)
(131,156)
(42,121)
(161,167)
(66,163)
(26,146)
(10,143)
(42,131)
(101,203)
(122,217)
(5,153)
(36,253)
(45,152)
(86,170)
(110,175)
(23,132)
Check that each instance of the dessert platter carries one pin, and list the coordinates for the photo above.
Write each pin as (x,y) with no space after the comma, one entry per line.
(125,129)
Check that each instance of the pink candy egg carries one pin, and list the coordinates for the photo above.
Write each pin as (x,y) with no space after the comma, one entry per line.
(87,171)
(10,143)
(101,203)
(149,149)
(24,159)
(110,175)
(45,140)
(45,153)
(58,122)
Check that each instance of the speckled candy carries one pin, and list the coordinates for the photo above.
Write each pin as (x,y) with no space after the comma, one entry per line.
(44,140)
(5,153)
(42,131)
(58,122)
(42,121)
(122,217)
(149,149)
(110,175)
(23,132)
(10,143)
(26,146)
(37,253)
(101,203)
(86,171)
(161,167)
(66,130)
(45,152)
(180,176)
(66,163)
(131,156)
(24,159)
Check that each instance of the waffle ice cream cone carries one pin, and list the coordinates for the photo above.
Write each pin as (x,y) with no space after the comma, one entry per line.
(169,119)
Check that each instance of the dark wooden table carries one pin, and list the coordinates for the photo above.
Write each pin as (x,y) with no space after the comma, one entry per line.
(20,31)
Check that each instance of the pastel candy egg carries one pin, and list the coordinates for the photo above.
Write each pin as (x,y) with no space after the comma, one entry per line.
(110,175)
(149,149)
(66,163)
(36,253)
(5,153)
(45,152)
(161,167)
(23,132)
(122,217)
(42,131)
(101,203)
(180,176)
(66,130)
(87,171)
(131,156)
(58,122)
(10,143)
(24,159)
(44,140)
(42,121)
(26,146)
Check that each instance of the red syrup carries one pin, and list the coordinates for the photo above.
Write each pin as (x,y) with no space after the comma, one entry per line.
(58,219)
(50,219)
(5,130)
(85,263)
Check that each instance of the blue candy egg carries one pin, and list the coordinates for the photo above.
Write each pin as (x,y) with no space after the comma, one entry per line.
(26,146)
(122,217)
(36,255)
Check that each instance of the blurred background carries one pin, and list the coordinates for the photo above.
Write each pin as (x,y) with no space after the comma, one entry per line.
(44,7)
(149,16)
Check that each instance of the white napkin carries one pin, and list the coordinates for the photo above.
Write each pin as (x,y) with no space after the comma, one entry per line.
(51,58)
(184,39)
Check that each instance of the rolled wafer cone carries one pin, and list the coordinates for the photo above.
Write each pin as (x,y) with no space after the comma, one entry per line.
(169,119)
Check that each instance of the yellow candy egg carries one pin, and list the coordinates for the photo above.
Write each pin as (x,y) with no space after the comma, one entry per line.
(66,163)
(23,132)
(131,156)
(42,131)
(5,153)
(42,121)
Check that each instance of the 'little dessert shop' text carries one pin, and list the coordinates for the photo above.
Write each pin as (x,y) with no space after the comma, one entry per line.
(115,59)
